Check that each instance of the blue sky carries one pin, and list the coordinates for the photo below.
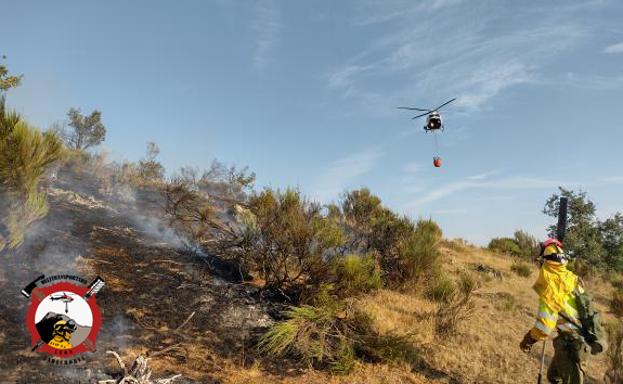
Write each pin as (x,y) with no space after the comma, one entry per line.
(304,92)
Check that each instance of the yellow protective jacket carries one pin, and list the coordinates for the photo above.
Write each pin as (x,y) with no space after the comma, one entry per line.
(556,287)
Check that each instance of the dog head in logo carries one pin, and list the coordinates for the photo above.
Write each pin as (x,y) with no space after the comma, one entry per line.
(63,318)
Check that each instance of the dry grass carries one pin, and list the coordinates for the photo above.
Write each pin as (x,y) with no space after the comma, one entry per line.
(482,350)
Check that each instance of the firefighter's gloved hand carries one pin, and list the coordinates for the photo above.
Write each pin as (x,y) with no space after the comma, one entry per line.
(596,347)
(527,342)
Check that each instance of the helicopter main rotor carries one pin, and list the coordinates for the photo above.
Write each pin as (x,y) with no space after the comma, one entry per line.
(426,111)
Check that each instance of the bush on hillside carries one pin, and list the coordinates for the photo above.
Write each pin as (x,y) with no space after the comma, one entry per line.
(26,154)
(521,245)
(528,245)
(421,256)
(443,290)
(458,309)
(361,214)
(522,268)
(504,245)
(294,246)
(407,252)
(149,169)
(354,274)
(290,241)
(192,213)
(332,335)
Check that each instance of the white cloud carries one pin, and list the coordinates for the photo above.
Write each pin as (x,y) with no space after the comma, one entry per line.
(614,48)
(381,12)
(488,82)
(267,26)
(482,176)
(484,182)
(344,77)
(613,180)
(343,172)
(440,54)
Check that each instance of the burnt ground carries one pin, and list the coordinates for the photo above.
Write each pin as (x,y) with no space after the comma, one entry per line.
(152,287)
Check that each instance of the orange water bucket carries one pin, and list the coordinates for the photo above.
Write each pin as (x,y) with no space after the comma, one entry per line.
(437,161)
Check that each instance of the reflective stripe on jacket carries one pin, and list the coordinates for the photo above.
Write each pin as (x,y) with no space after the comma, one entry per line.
(547,319)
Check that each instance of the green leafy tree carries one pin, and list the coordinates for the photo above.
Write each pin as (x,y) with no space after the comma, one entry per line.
(612,240)
(583,236)
(85,130)
(7,81)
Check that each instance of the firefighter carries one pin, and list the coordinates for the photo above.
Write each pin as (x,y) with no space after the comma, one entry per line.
(61,334)
(564,305)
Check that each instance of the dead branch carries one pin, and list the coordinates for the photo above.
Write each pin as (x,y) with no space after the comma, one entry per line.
(121,363)
(138,374)
(185,322)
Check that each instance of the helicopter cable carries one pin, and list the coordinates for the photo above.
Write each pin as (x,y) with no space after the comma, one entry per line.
(436,144)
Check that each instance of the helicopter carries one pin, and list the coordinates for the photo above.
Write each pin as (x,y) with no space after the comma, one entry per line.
(65,298)
(434,120)
(434,123)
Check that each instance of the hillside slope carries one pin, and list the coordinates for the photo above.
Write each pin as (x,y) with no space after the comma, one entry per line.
(167,302)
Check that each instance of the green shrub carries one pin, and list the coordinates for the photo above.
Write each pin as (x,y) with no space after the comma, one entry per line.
(419,254)
(332,335)
(407,252)
(521,268)
(355,274)
(21,214)
(528,244)
(25,155)
(458,309)
(443,289)
(505,245)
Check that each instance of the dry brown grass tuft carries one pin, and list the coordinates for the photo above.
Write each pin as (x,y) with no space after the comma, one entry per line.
(615,354)
(457,309)
(616,304)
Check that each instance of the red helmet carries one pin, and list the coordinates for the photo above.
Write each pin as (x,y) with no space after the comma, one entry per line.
(551,241)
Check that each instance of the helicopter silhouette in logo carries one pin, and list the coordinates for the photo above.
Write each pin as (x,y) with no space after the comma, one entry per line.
(64,298)
(434,122)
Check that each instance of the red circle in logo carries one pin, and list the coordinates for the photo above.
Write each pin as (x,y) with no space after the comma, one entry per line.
(38,295)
